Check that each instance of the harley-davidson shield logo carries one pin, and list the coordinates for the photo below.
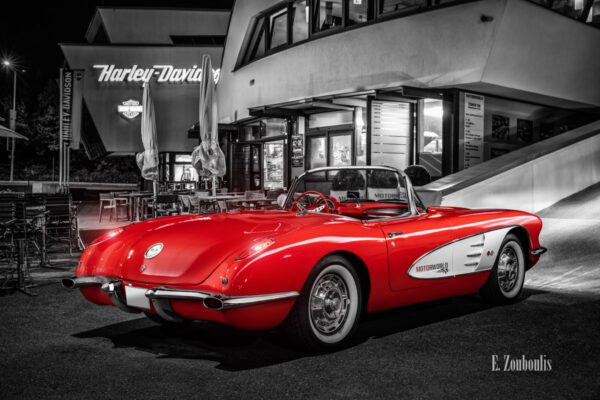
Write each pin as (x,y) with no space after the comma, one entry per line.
(130,109)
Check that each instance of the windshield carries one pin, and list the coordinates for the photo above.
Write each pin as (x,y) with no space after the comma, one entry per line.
(352,185)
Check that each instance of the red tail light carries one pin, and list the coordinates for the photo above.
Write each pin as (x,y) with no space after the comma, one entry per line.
(256,248)
(108,235)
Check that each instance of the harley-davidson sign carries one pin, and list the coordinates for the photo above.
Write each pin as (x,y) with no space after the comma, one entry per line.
(162,73)
(130,109)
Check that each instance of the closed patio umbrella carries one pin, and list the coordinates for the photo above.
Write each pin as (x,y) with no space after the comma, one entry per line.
(208,158)
(148,160)
(9,133)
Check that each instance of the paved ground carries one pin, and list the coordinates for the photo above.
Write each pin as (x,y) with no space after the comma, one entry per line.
(57,345)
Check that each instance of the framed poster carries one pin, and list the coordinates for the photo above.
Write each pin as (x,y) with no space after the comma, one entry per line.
(297,153)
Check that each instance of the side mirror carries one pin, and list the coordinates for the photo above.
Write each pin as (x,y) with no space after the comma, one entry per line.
(281,199)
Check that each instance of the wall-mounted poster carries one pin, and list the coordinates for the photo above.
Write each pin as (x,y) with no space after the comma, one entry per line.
(525,130)
(473,128)
(297,154)
(500,127)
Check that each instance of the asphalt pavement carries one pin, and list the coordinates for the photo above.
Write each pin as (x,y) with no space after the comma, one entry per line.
(57,345)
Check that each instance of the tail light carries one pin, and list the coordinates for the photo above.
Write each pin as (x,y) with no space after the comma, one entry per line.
(108,235)
(256,248)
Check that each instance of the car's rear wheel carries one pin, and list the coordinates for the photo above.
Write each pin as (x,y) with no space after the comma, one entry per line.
(508,274)
(328,309)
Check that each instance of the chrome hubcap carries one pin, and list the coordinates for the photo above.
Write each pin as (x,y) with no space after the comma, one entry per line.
(508,269)
(329,303)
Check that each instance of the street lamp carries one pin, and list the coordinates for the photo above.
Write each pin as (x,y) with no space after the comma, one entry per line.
(12,117)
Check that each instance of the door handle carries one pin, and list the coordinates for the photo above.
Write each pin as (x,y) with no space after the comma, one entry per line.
(392,234)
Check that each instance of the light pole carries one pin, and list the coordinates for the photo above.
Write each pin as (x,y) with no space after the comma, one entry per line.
(12,118)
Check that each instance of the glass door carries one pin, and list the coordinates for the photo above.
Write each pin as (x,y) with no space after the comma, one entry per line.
(246,162)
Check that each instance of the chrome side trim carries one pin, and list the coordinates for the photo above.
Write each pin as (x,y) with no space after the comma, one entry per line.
(115,292)
(538,252)
(227,302)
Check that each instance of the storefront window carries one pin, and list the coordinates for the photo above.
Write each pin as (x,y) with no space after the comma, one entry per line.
(317,149)
(358,11)
(388,6)
(340,150)
(327,14)
(430,137)
(278,28)
(183,170)
(273,164)
(594,15)
(299,21)
(571,8)
(360,135)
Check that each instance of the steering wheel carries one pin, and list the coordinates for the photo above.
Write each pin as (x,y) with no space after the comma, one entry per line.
(326,208)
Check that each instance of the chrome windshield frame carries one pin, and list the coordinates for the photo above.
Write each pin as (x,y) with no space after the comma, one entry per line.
(411,194)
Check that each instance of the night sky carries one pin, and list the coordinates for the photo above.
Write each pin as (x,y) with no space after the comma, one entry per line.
(30,33)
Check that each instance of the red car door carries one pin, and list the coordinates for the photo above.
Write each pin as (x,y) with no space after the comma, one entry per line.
(408,241)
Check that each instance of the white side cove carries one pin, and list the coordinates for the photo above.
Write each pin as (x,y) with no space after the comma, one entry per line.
(464,256)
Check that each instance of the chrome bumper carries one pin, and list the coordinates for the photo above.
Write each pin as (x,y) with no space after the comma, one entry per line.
(538,252)
(160,296)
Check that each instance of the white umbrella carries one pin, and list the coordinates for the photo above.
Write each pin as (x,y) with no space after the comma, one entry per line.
(9,133)
(208,158)
(148,160)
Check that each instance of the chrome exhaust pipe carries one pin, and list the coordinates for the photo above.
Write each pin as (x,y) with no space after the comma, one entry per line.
(81,281)
(213,303)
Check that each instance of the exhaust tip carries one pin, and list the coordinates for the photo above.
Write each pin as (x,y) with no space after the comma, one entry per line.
(68,283)
(213,303)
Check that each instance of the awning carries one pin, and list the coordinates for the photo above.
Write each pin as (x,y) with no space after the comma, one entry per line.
(9,133)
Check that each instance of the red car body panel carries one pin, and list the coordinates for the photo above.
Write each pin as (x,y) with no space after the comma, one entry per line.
(200,253)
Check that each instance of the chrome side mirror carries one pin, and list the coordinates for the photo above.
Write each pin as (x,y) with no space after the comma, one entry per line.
(281,199)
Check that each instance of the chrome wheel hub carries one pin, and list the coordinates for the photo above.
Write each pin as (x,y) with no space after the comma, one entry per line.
(329,303)
(508,269)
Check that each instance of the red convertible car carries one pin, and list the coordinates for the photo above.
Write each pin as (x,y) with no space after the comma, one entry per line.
(347,240)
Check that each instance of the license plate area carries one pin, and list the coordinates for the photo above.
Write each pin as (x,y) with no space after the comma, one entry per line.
(136,297)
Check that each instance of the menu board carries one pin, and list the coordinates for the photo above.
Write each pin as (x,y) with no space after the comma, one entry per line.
(473,128)
(297,151)
(390,133)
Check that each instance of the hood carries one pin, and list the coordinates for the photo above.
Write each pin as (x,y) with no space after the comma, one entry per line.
(193,246)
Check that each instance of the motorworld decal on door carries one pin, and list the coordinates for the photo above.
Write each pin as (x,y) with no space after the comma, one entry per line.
(439,267)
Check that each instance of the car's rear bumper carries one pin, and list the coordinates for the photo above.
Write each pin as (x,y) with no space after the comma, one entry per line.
(538,252)
(176,304)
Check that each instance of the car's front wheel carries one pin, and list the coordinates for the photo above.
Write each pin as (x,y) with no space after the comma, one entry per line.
(328,309)
(508,274)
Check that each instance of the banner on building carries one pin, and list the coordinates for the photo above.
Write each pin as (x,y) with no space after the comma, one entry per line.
(71,94)
(473,129)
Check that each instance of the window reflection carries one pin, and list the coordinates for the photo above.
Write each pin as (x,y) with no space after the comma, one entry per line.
(256,46)
(299,21)
(328,14)
(340,150)
(317,152)
(358,11)
(571,8)
(278,29)
(401,5)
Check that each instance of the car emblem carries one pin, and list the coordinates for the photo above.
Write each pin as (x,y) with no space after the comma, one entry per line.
(153,251)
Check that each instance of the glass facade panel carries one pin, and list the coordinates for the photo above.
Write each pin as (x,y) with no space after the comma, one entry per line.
(300,15)
(278,28)
(317,152)
(388,6)
(594,15)
(571,8)
(256,46)
(327,14)
(430,137)
(273,164)
(358,11)
(340,150)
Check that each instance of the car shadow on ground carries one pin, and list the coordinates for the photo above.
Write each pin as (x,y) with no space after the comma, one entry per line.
(236,350)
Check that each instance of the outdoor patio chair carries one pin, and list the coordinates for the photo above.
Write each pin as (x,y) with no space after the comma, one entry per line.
(167,204)
(185,204)
(107,201)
